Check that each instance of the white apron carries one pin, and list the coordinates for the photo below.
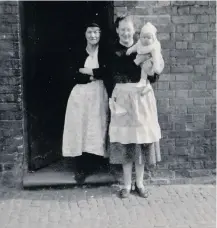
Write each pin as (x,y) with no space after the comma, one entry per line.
(134,116)
(86,117)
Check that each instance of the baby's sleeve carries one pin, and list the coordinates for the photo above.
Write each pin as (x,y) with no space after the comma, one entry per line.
(158,61)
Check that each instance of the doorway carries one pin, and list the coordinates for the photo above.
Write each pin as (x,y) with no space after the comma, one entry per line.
(50,30)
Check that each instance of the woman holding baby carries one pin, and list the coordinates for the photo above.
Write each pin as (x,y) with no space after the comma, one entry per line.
(134,131)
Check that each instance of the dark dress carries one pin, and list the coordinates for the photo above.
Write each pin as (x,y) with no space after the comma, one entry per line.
(77,59)
(86,118)
(124,70)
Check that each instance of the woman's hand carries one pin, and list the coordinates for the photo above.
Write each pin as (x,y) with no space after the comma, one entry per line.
(86,71)
(153,78)
(92,78)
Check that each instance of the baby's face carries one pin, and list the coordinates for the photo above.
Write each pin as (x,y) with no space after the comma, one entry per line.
(146,39)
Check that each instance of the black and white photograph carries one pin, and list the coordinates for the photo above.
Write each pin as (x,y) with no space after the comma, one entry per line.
(108,114)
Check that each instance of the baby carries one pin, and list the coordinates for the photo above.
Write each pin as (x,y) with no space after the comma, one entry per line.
(148,50)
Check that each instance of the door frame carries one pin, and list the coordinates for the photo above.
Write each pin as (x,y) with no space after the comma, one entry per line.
(24,56)
(22,27)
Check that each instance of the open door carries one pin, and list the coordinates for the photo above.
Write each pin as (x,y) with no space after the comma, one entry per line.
(50,31)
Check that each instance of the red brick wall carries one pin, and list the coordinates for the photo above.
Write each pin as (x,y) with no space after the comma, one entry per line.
(186,89)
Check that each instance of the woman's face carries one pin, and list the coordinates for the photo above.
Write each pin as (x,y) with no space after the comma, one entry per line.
(125,31)
(92,35)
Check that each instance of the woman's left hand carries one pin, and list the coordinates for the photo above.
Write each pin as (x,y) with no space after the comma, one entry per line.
(153,78)
(86,71)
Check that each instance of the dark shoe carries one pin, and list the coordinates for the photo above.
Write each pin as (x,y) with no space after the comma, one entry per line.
(124,193)
(80,177)
(142,192)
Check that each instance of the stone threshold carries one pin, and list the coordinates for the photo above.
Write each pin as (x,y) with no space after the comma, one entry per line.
(67,179)
(52,179)
(62,174)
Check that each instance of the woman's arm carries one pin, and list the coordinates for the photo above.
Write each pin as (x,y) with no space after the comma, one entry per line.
(75,62)
(99,73)
(78,77)
(104,57)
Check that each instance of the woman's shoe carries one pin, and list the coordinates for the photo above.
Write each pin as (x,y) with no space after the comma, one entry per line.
(142,192)
(80,177)
(124,193)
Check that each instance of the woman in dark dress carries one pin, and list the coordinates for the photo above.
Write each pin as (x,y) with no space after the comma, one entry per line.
(86,119)
(134,130)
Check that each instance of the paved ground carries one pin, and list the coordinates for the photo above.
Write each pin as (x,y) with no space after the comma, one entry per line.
(183,206)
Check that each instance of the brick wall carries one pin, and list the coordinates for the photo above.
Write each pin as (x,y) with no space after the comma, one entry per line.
(11,110)
(186,90)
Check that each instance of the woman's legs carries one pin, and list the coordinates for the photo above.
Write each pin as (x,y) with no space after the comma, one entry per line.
(80,165)
(139,175)
(140,189)
(89,163)
(127,170)
(84,164)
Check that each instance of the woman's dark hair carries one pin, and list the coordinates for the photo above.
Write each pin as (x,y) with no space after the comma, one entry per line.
(88,24)
(123,17)
(92,24)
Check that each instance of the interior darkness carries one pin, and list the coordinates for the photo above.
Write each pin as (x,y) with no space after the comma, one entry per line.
(50,30)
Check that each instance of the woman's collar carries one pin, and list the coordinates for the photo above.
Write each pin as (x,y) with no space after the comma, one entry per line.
(95,51)
(127,46)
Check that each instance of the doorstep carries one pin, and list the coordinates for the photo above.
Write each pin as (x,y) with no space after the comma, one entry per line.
(60,174)
(64,178)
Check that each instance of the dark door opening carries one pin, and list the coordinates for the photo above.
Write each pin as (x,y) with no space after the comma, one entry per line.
(50,30)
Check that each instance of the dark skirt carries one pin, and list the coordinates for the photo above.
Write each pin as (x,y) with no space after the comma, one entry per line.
(138,153)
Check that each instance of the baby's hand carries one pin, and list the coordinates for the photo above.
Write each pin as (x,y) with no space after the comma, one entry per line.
(129,52)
